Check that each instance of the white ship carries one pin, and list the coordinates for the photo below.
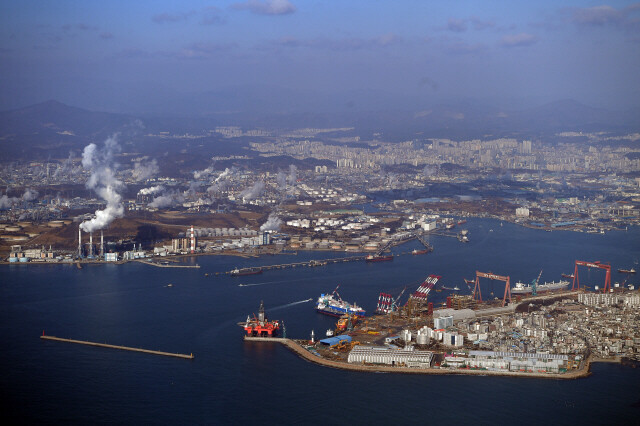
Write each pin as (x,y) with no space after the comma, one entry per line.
(521,288)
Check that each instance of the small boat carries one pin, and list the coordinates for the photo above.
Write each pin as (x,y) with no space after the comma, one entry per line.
(566,275)
(462,222)
(469,281)
(627,271)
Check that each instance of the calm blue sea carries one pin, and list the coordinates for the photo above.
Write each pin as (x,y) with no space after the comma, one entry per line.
(232,382)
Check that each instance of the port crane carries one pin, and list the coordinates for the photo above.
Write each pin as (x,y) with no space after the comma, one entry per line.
(394,304)
(477,295)
(607,278)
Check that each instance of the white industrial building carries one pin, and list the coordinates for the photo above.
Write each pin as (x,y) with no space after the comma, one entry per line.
(391,356)
(517,361)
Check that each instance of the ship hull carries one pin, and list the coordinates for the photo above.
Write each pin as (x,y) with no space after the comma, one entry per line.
(379,259)
(540,289)
(337,312)
(244,273)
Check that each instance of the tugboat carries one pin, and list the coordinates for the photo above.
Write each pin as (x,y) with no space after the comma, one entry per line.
(627,271)
(260,326)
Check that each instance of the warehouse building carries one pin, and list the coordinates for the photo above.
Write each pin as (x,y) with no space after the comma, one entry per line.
(390,356)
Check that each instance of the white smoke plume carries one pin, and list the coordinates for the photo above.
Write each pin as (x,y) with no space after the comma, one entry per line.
(254,191)
(167,200)
(293,175)
(220,184)
(273,223)
(7,202)
(217,187)
(228,172)
(194,188)
(152,190)
(30,195)
(143,171)
(103,180)
(429,171)
(199,174)
(281,180)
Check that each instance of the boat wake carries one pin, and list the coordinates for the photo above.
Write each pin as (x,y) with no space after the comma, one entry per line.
(290,304)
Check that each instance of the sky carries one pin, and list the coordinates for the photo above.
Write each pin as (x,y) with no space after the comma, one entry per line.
(153,56)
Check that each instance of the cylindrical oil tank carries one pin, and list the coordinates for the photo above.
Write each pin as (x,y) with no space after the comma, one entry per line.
(422,339)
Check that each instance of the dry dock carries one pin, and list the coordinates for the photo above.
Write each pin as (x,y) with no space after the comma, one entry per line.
(124,348)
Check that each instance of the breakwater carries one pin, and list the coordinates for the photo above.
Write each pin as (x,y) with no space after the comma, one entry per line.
(124,348)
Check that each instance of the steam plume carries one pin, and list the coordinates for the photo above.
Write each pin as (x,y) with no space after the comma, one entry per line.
(293,174)
(143,171)
(167,200)
(103,180)
(152,190)
(273,223)
(254,191)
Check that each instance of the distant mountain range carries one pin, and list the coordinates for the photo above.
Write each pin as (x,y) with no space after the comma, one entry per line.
(52,129)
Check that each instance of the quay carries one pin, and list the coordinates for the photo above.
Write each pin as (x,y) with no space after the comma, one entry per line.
(307,355)
(160,265)
(310,263)
(125,348)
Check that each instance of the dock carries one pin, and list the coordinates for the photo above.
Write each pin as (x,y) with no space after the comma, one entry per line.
(310,263)
(124,348)
(161,265)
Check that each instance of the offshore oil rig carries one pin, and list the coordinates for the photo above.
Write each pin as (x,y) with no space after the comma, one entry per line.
(261,326)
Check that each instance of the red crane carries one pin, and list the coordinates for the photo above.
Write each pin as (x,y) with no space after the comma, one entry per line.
(607,278)
(507,287)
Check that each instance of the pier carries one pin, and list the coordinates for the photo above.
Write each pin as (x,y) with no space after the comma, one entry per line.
(167,265)
(124,348)
(310,263)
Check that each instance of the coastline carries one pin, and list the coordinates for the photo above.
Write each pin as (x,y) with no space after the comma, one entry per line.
(297,349)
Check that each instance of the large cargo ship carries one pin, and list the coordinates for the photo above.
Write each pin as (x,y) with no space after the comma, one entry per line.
(378,258)
(521,288)
(332,304)
(246,271)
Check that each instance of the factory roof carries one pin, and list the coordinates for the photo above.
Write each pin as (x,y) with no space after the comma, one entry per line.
(332,341)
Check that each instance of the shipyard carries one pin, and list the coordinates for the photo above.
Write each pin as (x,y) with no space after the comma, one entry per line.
(535,330)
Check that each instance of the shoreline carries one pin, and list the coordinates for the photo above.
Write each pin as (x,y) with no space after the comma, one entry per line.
(303,353)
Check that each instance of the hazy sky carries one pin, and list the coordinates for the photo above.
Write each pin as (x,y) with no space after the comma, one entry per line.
(125,55)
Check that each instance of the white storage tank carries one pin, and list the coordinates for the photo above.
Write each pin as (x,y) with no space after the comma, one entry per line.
(422,339)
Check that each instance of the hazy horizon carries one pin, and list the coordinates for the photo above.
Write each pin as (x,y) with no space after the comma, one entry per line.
(284,56)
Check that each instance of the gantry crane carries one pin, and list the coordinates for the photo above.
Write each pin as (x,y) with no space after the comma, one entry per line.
(477,295)
(607,278)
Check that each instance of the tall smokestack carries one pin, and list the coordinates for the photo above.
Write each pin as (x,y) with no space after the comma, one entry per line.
(101,243)
(193,241)
(90,244)
(79,242)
